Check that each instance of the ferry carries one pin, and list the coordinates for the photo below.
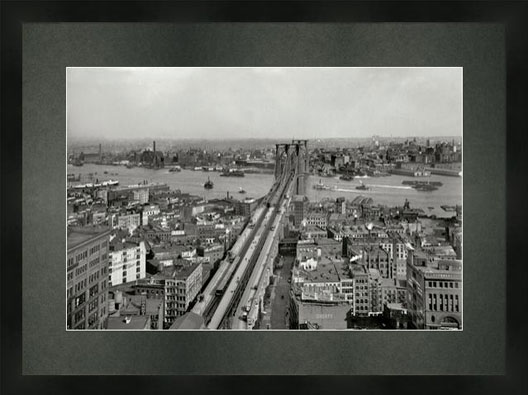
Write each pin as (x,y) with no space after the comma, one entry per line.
(415,183)
(320,186)
(108,183)
(425,187)
(362,187)
(232,173)
(346,177)
(208,184)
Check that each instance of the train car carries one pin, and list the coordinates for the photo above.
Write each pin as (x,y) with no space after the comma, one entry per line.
(224,282)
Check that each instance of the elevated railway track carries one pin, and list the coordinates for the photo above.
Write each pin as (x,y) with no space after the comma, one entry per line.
(238,284)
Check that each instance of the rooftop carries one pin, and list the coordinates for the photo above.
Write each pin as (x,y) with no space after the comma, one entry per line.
(327,270)
(128,322)
(181,271)
(189,320)
(80,235)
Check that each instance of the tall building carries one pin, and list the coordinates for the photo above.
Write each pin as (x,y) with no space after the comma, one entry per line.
(340,205)
(181,288)
(127,262)
(300,203)
(434,292)
(87,275)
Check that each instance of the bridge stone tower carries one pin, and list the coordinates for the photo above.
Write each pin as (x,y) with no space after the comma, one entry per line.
(297,155)
(302,163)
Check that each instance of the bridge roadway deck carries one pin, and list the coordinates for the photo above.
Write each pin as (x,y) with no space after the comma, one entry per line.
(229,292)
(209,294)
(251,297)
(247,262)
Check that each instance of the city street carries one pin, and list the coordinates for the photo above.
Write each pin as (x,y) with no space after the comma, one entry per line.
(281,296)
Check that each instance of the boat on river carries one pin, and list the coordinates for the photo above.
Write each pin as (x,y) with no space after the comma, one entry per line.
(320,186)
(208,184)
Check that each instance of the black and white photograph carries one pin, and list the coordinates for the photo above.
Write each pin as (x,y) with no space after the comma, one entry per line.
(264,198)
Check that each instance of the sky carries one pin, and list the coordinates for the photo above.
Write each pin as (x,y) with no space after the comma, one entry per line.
(233,103)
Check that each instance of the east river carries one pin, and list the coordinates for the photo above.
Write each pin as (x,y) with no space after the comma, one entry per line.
(383,190)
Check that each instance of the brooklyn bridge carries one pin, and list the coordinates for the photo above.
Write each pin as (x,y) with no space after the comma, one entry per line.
(234,297)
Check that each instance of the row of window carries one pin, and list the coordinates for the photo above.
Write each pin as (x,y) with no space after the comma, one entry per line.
(93,277)
(80,285)
(442,284)
(94,262)
(81,270)
(443,302)
(81,256)
(94,249)
(138,276)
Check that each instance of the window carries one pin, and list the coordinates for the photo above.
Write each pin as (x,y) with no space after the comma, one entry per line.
(92,305)
(94,290)
(79,315)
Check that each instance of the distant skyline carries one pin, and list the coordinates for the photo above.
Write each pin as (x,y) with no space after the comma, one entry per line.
(276,103)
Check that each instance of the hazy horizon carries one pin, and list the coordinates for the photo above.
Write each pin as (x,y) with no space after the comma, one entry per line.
(262,103)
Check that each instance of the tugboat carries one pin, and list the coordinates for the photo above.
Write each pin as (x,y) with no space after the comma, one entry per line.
(208,184)
(241,190)
(362,187)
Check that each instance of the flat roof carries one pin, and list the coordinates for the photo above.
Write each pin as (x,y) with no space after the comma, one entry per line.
(326,271)
(78,236)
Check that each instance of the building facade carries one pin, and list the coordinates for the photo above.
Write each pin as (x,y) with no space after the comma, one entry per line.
(127,262)
(181,288)
(434,292)
(87,275)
